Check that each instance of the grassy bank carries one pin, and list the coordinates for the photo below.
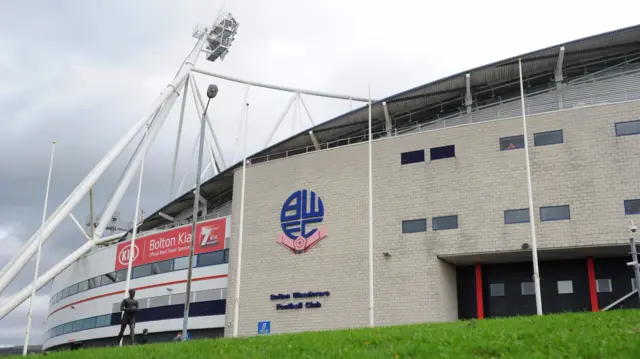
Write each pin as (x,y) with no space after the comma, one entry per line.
(607,335)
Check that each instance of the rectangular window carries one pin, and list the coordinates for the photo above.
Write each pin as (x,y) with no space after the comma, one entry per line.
(89,323)
(603,286)
(210,259)
(565,287)
(121,275)
(94,282)
(73,290)
(444,222)
(82,286)
(102,321)
(68,328)
(109,278)
(180,263)
(438,153)
(555,213)
(141,271)
(628,128)
(497,289)
(528,288)
(159,301)
(511,142)
(632,206)
(411,157)
(548,138)
(414,225)
(65,292)
(77,326)
(161,267)
(516,216)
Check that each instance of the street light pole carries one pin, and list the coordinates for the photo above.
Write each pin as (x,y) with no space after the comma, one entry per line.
(212,91)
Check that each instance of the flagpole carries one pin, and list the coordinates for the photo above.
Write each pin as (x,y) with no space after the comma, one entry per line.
(134,231)
(35,274)
(236,306)
(371,318)
(534,245)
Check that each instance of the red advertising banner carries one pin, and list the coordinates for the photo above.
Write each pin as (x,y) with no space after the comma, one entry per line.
(173,243)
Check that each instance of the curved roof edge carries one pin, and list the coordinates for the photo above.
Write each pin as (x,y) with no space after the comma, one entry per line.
(450,88)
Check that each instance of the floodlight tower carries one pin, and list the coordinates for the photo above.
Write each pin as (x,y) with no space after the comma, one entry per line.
(219,37)
(215,41)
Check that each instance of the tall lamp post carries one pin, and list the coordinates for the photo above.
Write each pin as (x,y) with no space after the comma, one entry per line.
(212,91)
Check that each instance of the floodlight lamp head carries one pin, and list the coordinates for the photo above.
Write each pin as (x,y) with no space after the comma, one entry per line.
(212,91)
(632,226)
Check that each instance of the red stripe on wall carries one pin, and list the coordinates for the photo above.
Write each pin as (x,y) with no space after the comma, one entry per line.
(137,289)
(479,302)
(593,293)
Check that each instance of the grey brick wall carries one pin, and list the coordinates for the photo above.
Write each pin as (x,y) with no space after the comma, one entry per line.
(593,171)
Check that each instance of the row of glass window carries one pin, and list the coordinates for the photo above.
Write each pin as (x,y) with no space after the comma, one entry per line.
(438,224)
(506,143)
(78,325)
(546,138)
(550,213)
(171,265)
(563,286)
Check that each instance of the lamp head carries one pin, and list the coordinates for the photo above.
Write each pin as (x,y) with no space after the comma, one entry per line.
(212,91)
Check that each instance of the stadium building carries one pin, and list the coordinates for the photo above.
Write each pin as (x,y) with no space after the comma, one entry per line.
(451,231)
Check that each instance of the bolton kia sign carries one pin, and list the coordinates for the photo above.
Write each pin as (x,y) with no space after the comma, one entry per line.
(173,243)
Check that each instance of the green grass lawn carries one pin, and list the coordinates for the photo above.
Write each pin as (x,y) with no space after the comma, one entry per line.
(614,334)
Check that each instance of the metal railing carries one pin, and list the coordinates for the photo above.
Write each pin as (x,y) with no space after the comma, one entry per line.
(621,84)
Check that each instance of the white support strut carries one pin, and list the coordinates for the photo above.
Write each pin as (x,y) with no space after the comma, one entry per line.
(281,88)
(18,298)
(208,139)
(129,172)
(180,122)
(165,100)
(216,147)
(284,114)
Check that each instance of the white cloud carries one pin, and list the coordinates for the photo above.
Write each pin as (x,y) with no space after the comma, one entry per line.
(10,241)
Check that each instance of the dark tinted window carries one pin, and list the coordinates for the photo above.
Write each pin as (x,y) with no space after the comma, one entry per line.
(73,290)
(102,321)
(438,153)
(516,216)
(210,259)
(511,143)
(444,222)
(77,325)
(412,157)
(141,271)
(161,267)
(89,323)
(414,225)
(632,206)
(109,278)
(65,293)
(555,213)
(94,282)
(548,138)
(82,286)
(121,275)
(628,128)
(68,328)
(181,263)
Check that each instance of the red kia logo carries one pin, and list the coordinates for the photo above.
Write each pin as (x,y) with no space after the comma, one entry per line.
(123,257)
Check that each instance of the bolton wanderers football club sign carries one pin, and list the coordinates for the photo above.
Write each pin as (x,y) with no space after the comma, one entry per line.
(300,220)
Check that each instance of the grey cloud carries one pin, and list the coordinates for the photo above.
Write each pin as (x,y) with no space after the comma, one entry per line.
(82,73)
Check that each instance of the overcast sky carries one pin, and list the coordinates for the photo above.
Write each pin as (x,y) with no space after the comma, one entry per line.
(82,72)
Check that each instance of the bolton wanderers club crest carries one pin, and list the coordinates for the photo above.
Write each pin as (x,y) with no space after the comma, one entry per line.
(300,217)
